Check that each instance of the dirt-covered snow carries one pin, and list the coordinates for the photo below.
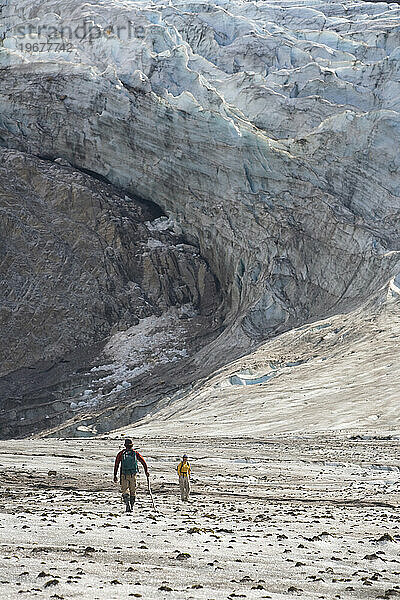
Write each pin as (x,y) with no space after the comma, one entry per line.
(281,518)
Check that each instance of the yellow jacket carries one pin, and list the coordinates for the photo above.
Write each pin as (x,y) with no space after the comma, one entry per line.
(183,468)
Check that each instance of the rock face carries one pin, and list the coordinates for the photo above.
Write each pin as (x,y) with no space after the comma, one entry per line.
(268,133)
(81,263)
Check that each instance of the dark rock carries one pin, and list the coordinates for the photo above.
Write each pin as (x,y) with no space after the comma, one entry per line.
(51,582)
(80,263)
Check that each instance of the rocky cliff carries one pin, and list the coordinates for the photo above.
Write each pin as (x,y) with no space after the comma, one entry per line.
(268,134)
(96,291)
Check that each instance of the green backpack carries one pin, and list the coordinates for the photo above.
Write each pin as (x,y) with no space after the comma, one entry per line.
(129,464)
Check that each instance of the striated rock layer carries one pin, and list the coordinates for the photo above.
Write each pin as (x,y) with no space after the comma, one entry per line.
(95,290)
(268,132)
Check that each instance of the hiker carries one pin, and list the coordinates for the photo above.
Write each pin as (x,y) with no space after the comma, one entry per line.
(128,459)
(183,470)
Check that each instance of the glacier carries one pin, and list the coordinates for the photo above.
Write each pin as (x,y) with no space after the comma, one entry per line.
(267,132)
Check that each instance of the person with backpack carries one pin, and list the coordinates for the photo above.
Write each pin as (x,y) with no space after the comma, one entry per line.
(184,470)
(128,459)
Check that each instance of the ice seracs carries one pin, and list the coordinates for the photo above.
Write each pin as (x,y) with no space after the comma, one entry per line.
(188,104)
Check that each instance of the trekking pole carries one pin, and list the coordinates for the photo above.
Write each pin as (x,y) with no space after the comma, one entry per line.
(151,495)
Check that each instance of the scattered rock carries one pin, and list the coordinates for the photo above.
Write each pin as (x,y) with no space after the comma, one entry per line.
(51,582)
(386,537)
(183,556)
(294,590)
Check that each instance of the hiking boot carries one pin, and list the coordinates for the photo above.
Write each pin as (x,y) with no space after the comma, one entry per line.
(127,503)
(133,498)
